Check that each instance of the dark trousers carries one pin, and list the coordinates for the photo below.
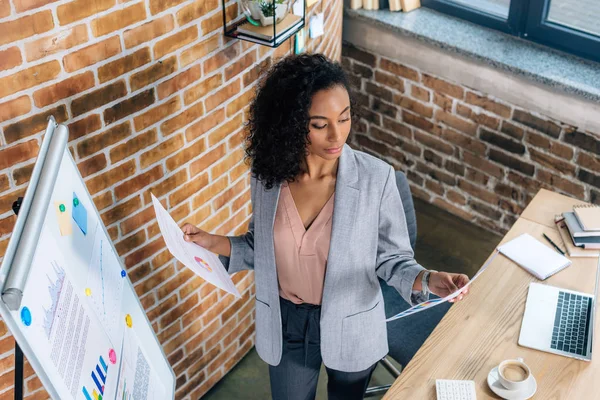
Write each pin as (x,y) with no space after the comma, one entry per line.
(296,376)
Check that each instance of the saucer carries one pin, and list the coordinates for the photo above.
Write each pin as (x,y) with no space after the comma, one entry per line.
(503,392)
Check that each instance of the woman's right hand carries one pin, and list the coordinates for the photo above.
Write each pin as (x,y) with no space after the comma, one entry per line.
(196,235)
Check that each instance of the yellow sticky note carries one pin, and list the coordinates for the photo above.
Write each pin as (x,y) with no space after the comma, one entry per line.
(309,3)
(63,213)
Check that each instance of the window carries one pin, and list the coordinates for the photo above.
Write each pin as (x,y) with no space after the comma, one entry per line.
(568,25)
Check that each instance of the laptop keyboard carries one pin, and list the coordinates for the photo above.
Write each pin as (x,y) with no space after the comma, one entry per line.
(571,327)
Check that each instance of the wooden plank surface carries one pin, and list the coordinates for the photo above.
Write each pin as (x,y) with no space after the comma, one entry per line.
(546,204)
(477,334)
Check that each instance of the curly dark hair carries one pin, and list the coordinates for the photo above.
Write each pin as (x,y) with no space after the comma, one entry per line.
(278,126)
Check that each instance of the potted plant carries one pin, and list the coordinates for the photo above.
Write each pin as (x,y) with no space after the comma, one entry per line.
(279,8)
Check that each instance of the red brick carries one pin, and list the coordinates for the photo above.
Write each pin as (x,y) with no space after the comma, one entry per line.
(399,69)
(99,142)
(92,54)
(199,50)
(4,12)
(221,58)
(456,122)
(179,82)
(26,5)
(54,43)
(488,104)
(61,90)
(121,211)
(189,115)
(92,165)
(129,106)
(10,58)
(145,252)
(134,222)
(80,9)
(154,73)
(187,190)
(109,178)
(24,27)
(84,126)
(223,131)
(157,113)
(196,10)
(205,124)
(160,152)
(240,65)
(157,6)
(32,125)
(123,65)
(148,31)
(443,86)
(14,108)
(215,21)
(222,95)
(22,175)
(98,98)
(175,41)
(139,182)
(167,185)
(185,155)
(131,242)
(204,163)
(200,90)
(133,145)
(29,77)
(240,102)
(118,19)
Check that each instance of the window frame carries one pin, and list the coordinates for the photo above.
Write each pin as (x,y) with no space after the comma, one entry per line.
(527,19)
(571,40)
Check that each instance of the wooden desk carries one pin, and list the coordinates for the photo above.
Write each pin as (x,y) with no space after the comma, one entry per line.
(477,334)
(546,204)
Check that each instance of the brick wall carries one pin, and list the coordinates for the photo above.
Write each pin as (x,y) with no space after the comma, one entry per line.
(155,98)
(478,157)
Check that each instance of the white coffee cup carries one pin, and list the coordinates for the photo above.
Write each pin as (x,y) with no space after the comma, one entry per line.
(514,374)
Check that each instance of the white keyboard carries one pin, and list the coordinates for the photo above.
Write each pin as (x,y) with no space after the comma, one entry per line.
(455,390)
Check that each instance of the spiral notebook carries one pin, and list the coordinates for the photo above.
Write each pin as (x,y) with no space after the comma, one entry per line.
(588,216)
(534,256)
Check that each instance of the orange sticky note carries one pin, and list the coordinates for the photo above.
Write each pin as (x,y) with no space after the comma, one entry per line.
(63,212)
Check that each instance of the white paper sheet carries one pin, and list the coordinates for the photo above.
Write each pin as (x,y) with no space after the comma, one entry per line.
(436,302)
(137,379)
(203,262)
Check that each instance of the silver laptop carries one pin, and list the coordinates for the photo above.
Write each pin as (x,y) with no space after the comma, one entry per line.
(559,321)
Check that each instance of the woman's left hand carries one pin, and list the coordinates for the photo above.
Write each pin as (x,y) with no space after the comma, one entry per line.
(443,283)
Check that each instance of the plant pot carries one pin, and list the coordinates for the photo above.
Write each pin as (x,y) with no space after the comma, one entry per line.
(254,8)
(281,11)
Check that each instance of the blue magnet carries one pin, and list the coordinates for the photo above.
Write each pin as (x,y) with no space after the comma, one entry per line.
(123,273)
(79,214)
(26,316)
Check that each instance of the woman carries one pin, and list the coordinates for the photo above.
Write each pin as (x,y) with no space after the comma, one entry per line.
(327,222)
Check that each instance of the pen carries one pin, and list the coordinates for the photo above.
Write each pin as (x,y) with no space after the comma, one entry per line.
(553,244)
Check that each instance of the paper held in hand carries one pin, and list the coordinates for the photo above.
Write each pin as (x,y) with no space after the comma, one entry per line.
(436,302)
(204,263)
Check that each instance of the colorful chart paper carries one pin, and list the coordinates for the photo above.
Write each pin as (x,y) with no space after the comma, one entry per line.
(435,302)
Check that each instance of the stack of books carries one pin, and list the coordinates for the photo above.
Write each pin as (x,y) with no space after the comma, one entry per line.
(580,230)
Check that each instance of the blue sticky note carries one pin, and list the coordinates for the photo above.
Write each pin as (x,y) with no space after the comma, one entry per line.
(79,214)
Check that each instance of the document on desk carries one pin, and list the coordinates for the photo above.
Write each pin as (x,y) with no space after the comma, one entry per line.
(204,263)
(436,302)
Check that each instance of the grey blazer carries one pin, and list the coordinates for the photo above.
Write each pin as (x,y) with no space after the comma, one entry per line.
(369,238)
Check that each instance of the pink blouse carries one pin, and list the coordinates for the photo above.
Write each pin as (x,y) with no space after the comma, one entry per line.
(301,254)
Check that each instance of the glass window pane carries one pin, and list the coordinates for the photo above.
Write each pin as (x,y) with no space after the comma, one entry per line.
(495,7)
(583,15)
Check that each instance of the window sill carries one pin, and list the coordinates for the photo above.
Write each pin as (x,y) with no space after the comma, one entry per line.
(534,62)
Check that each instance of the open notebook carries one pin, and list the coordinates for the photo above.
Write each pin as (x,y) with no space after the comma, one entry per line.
(535,257)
